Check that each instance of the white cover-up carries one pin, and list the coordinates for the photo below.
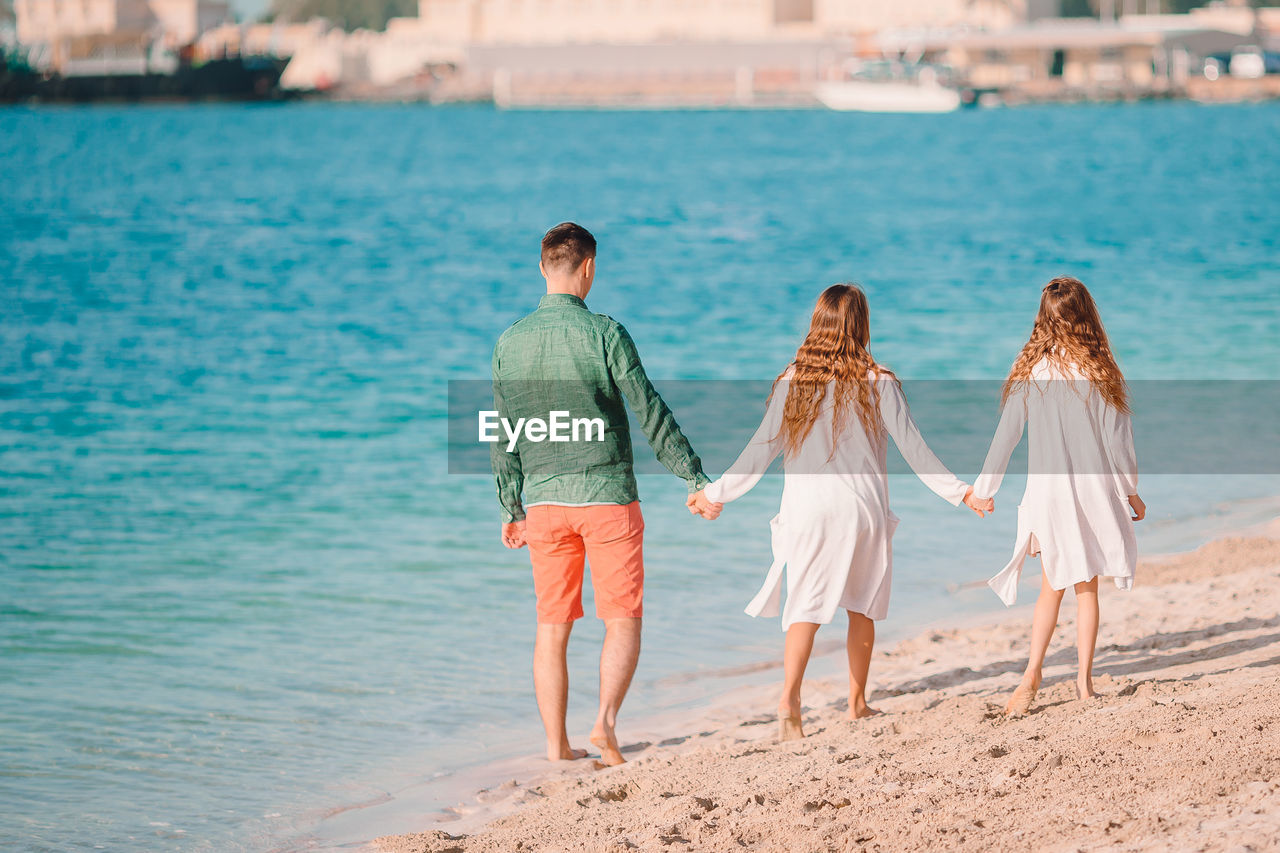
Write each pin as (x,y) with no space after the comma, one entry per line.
(834,530)
(1081,468)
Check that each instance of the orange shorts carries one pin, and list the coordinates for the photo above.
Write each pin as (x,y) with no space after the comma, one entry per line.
(610,536)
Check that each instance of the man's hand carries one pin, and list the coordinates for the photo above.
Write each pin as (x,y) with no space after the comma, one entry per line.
(981,506)
(1138,507)
(513,534)
(698,504)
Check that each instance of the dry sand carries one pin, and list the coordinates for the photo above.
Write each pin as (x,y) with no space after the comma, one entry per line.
(1181,752)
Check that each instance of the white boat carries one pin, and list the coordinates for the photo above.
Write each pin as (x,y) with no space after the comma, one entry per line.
(888,97)
(883,87)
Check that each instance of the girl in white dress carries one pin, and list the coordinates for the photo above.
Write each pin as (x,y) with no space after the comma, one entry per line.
(828,415)
(1066,388)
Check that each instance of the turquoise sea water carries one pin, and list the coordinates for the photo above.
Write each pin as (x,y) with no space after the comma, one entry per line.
(238,587)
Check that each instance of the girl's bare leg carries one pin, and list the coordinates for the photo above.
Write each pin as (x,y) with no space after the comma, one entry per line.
(862,638)
(1042,625)
(1086,635)
(795,659)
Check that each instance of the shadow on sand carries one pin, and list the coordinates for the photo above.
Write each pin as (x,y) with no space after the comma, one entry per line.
(1109,666)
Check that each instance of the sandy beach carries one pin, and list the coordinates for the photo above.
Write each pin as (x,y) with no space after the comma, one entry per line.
(1181,750)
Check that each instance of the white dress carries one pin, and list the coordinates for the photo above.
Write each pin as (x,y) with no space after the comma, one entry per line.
(834,530)
(1081,468)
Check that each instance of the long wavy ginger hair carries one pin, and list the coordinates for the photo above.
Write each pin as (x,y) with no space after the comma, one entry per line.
(1069,331)
(834,351)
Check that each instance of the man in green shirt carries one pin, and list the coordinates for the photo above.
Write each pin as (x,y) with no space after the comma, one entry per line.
(563,379)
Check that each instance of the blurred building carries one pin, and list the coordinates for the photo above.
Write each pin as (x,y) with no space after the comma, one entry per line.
(106,32)
(182,21)
(833,17)
(49,21)
(640,21)
(705,52)
(1083,58)
(560,21)
(273,39)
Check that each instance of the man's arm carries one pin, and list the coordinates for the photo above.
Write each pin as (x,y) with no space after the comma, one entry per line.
(655,418)
(508,473)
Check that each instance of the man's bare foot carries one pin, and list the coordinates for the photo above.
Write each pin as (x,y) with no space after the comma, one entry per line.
(789,726)
(565,753)
(607,742)
(859,712)
(1023,696)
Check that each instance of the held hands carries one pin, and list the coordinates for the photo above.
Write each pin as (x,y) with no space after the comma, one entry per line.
(698,504)
(981,506)
(1139,508)
(513,534)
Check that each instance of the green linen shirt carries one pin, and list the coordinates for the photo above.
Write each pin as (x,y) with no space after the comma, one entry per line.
(564,358)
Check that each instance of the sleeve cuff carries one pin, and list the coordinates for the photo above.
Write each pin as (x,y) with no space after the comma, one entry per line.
(509,516)
(699,482)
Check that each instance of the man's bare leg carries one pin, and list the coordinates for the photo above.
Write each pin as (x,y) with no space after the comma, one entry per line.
(618,658)
(861,640)
(1043,624)
(1086,635)
(551,687)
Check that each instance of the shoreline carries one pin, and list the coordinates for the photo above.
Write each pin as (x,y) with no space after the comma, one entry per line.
(907,679)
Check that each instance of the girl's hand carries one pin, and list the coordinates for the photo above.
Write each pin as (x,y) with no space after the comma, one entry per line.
(1138,507)
(981,506)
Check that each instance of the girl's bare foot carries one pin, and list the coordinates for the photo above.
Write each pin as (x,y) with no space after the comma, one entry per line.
(1085,690)
(789,727)
(1023,696)
(565,753)
(607,742)
(863,711)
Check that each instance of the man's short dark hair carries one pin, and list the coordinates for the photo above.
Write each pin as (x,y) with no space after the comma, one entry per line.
(566,246)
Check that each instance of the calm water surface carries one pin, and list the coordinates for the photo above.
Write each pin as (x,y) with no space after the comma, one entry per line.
(237,586)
